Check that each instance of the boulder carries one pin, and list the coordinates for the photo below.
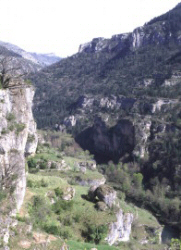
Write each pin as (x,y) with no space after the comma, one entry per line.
(87,164)
(89,182)
(61,166)
(101,206)
(68,194)
(106,194)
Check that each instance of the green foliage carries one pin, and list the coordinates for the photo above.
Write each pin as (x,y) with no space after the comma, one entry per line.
(52,227)
(4,131)
(39,211)
(175,244)
(94,233)
(61,205)
(28,81)
(137,179)
(3,194)
(19,127)
(31,138)
(32,163)
(10,117)
(58,192)
(37,184)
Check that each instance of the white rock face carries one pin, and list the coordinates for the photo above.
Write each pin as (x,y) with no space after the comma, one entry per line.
(158,105)
(68,194)
(138,36)
(16,123)
(70,121)
(174,80)
(96,44)
(142,132)
(121,229)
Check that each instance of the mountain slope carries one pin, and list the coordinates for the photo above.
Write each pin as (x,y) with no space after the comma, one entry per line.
(122,65)
(41,60)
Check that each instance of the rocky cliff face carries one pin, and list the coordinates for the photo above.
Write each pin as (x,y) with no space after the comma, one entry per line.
(17,138)
(121,229)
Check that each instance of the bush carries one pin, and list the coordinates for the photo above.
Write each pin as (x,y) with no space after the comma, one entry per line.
(31,138)
(68,221)
(43,183)
(32,163)
(39,210)
(37,184)
(61,205)
(10,117)
(19,127)
(43,164)
(52,227)
(94,233)
(58,192)
(77,218)
(66,234)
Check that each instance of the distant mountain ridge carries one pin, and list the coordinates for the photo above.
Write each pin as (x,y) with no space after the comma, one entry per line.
(39,59)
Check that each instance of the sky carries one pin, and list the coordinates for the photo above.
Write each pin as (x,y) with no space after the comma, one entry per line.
(60,26)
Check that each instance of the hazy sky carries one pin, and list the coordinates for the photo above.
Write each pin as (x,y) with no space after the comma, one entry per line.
(60,26)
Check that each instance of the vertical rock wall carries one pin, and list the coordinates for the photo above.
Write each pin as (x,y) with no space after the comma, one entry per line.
(17,138)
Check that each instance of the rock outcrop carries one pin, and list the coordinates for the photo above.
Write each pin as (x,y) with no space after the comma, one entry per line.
(90,181)
(121,229)
(68,193)
(106,194)
(17,126)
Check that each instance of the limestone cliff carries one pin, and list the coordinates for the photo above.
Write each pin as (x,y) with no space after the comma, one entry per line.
(17,138)
(121,229)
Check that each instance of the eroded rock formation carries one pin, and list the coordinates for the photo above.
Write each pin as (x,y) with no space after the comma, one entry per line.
(17,138)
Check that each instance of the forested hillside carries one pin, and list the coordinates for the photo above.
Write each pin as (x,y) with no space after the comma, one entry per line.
(120,98)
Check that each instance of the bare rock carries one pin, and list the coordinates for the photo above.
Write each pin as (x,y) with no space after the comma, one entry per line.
(101,206)
(106,194)
(68,193)
(121,229)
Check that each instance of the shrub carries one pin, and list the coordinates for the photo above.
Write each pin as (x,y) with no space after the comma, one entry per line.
(11,127)
(77,218)
(10,117)
(66,234)
(31,138)
(19,127)
(4,131)
(39,210)
(52,227)
(58,192)
(68,221)
(37,184)
(94,233)
(61,205)
(32,163)
(43,183)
